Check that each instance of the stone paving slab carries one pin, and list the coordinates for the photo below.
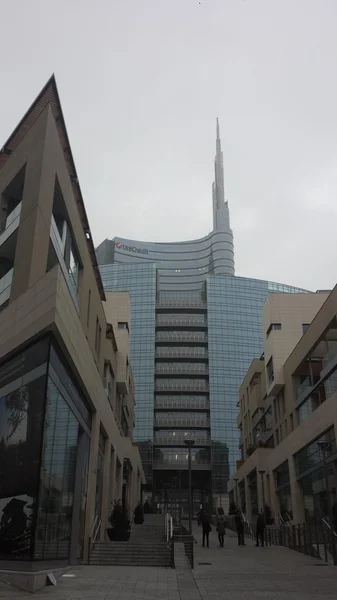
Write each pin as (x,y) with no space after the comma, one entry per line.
(234,573)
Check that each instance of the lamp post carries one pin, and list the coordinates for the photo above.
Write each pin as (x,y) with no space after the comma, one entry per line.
(190,444)
(326,446)
(236,479)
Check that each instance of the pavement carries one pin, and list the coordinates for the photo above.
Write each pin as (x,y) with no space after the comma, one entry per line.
(229,573)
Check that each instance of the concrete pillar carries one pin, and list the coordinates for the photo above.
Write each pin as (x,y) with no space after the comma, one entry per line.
(274,500)
(106,488)
(261,491)
(92,474)
(112,488)
(249,512)
(297,499)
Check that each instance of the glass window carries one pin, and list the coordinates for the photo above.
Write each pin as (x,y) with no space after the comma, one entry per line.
(57,478)
(21,425)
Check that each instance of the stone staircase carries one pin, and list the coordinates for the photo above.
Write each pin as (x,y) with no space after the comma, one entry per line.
(146,547)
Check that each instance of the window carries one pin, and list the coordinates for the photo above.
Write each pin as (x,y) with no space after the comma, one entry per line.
(272,326)
(123,325)
(88,309)
(270,370)
(305,326)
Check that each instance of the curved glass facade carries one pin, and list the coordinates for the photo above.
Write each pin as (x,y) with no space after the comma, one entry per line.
(234,307)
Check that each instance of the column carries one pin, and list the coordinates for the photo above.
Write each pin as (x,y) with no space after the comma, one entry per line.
(92,474)
(249,513)
(274,500)
(261,493)
(106,488)
(297,499)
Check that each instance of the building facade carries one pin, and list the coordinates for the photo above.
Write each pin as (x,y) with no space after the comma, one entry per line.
(287,415)
(195,329)
(66,387)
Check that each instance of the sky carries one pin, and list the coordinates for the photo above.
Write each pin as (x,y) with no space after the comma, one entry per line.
(141,84)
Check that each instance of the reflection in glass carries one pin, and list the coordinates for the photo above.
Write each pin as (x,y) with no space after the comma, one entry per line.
(21,415)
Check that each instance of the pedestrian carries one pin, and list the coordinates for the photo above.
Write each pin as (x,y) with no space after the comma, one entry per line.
(240,528)
(260,527)
(206,528)
(221,529)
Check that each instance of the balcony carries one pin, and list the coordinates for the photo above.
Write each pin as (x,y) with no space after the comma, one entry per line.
(192,337)
(177,403)
(11,224)
(200,353)
(196,369)
(303,390)
(175,465)
(177,386)
(181,303)
(180,441)
(263,436)
(161,421)
(189,321)
(6,286)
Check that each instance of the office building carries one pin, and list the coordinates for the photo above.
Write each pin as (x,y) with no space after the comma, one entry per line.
(195,329)
(67,398)
(287,414)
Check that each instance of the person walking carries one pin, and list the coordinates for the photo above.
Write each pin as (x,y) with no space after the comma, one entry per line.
(206,528)
(221,529)
(240,528)
(260,527)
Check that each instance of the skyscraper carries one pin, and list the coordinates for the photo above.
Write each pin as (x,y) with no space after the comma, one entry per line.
(191,317)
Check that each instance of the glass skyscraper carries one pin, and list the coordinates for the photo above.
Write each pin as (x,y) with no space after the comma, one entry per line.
(195,327)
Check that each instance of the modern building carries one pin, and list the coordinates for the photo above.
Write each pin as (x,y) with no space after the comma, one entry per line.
(287,414)
(195,329)
(66,387)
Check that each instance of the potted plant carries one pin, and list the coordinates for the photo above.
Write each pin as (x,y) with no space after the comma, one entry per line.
(120,524)
(139,515)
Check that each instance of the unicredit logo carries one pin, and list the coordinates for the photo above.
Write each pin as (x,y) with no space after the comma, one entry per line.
(131,248)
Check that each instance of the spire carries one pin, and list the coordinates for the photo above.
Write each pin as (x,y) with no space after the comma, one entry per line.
(220,209)
(218,141)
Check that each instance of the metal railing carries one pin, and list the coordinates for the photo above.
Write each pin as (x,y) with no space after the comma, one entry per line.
(175,422)
(182,353)
(167,303)
(178,403)
(175,386)
(180,440)
(180,321)
(186,336)
(198,368)
(315,539)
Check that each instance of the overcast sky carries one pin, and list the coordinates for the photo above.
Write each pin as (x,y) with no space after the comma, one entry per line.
(141,84)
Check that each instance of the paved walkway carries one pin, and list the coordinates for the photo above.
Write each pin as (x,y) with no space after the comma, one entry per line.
(231,573)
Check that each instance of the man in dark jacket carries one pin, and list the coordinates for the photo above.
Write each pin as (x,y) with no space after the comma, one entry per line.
(206,528)
(240,528)
(260,527)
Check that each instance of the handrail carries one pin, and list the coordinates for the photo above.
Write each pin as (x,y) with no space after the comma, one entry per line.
(168,527)
(93,534)
(99,522)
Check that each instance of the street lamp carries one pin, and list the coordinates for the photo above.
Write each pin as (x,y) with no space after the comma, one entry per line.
(189,444)
(325,447)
